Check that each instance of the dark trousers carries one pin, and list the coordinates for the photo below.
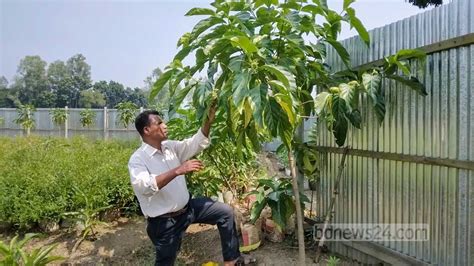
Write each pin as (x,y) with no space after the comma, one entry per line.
(166,233)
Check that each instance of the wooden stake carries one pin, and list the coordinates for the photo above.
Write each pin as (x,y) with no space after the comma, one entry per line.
(330,210)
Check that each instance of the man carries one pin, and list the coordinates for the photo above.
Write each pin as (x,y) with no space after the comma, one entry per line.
(157,172)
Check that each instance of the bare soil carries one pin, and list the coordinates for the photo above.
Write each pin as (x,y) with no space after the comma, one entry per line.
(125,242)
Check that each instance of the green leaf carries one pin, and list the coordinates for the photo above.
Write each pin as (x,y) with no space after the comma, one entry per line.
(160,83)
(256,210)
(201,57)
(286,103)
(315,10)
(347,3)
(411,82)
(341,51)
(275,119)
(405,54)
(256,95)
(277,214)
(282,75)
(178,99)
(372,84)
(355,118)
(244,43)
(240,87)
(203,25)
(357,24)
(404,67)
(350,94)
(278,85)
(339,125)
(321,3)
(307,102)
(200,11)
(183,53)
(320,102)
(235,64)
(248,113)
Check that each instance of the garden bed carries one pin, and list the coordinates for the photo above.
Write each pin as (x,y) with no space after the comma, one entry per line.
(125,242)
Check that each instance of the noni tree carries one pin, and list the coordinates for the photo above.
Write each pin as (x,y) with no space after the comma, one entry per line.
(262,61)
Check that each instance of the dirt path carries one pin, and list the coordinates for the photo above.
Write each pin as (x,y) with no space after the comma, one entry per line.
(125,242)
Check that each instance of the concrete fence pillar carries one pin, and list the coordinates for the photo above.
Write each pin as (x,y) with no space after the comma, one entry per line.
(105,124)
(66,127)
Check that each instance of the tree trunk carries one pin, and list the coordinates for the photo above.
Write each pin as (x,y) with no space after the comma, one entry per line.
(299,215)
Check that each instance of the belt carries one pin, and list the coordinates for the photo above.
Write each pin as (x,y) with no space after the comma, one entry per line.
(174,214)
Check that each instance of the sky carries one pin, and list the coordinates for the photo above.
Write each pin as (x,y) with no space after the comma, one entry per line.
(124,40)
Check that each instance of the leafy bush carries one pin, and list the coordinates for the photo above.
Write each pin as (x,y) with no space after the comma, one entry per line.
(278,195)
(227,165)
(38,176)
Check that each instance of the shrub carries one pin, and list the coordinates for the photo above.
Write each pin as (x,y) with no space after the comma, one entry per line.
(38,174)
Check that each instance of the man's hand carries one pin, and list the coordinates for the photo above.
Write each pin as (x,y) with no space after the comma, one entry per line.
(189,166)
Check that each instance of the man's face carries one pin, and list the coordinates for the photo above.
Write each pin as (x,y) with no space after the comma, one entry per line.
(157,128)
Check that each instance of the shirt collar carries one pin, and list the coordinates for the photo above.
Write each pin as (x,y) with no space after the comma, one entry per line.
(150,150)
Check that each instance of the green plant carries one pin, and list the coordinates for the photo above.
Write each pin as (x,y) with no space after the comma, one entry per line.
(282,156)
(262,69)
(87,117)
(127,112)
(14,254)
(88,216)
(227,165)
(59,116)
(278,195)
(307,159)
(333,261)
(25,117)
(38,185)
(2,120)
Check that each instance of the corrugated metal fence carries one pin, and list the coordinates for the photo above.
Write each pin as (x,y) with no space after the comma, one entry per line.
(106,124)
(439,126)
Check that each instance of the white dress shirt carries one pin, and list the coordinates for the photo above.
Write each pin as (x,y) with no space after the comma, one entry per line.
(147,162)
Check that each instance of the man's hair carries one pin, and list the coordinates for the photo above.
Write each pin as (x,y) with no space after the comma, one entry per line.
(143,120)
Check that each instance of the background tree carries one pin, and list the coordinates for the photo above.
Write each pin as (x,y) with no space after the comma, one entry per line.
(91,99)
(58,81)
(113,92)
(5,101)
(3,83)
(31,83)
(80,78)
(137,96)
(425,3)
